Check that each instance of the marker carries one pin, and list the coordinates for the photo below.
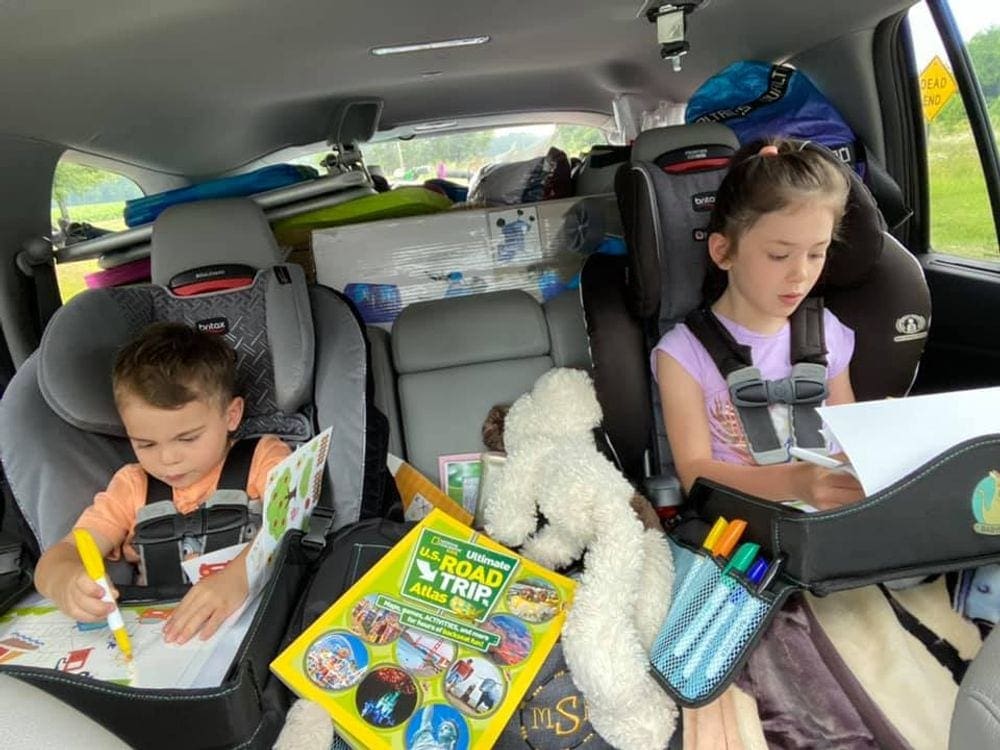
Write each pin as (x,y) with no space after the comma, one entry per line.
(732,640)
(737,595)
(815,458)
(772,571)
(741,562)
(727,541)
(711,539)
(94,565)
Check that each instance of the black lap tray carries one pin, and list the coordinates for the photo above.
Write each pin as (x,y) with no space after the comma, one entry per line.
(925,523)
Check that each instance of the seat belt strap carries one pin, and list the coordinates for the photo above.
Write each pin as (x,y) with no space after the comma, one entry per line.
(946,654)
(808,355)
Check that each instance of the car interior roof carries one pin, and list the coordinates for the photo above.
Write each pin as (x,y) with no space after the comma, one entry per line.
(198,89)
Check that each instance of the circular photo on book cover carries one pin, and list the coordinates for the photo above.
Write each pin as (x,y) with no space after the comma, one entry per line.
(336,660)
(533,599)
(515,640)
(374,623)
(475,686)
(386,697)
(437,726)
(422,654)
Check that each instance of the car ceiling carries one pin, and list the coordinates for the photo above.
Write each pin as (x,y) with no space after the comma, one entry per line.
(199,88)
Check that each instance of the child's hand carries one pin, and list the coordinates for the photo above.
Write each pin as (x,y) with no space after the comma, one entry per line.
(207,605)
(79,596)
(825,489)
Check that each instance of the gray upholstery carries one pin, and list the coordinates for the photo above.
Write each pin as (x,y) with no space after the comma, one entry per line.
(384,376)
(655,142)
(456,358)
(34,720)
(219,231)
(465,330)
(568,330)
(976,720)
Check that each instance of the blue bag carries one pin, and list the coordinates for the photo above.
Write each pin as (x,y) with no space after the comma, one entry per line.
(146,209)
(759,100)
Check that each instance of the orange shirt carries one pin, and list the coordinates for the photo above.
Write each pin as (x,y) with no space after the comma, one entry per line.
(114,510)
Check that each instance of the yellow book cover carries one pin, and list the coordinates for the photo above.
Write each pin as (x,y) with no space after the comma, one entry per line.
(434,647)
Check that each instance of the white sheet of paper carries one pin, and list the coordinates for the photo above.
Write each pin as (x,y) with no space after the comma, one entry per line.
(887,440)
(198,567)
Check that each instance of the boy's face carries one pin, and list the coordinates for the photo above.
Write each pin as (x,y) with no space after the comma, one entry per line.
(180,446)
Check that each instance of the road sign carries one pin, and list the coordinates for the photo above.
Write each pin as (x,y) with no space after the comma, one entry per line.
(937,86)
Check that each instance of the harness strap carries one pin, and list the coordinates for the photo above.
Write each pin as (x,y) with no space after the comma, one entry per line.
(157,537)
(946,654)
(752,396)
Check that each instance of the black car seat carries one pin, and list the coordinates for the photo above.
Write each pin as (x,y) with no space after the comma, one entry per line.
(665,195)
(303,365)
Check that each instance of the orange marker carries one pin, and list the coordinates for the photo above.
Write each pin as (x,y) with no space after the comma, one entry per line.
(729,538)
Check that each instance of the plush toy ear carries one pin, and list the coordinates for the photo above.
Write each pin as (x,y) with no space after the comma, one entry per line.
(493,428)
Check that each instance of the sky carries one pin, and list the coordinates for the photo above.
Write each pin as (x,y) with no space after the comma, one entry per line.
(970,15)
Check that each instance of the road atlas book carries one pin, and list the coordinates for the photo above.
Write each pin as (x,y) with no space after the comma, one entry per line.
(435,646)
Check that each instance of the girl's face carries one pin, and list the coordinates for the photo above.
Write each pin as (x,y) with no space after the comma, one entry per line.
(778,261)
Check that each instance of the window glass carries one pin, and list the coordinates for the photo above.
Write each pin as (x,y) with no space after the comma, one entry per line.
(85,201)
(457,156)
(961,220)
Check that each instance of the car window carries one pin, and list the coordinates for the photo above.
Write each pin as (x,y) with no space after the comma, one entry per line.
(961,220)
(457,156)
(86,200)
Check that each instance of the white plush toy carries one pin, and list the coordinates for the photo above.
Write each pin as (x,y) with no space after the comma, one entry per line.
(553,468)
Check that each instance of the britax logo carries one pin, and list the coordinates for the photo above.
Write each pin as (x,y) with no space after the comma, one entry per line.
(703,201)
(213,325)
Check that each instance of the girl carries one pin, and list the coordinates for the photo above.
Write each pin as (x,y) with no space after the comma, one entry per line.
(775,215)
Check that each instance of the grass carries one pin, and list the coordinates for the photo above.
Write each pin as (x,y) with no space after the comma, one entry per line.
(961,218)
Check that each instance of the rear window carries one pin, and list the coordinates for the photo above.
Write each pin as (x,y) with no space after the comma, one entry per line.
(457,156)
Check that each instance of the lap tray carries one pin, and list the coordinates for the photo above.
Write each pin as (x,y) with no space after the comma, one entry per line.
(943,516)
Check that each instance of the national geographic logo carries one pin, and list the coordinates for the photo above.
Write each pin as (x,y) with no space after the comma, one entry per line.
(554,716)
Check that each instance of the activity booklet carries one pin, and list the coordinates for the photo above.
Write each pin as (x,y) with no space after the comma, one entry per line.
(39,635)
(293,489)
(435,646)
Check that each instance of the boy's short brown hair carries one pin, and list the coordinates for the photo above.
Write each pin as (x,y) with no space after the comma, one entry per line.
(170,364)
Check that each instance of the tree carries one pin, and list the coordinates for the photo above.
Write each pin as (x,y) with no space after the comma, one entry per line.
(73,179)
(984,50)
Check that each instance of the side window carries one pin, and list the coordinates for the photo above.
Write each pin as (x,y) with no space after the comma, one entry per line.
(961,218)
(86,201)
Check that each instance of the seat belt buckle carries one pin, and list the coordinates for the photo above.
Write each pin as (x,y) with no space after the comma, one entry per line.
(807,384)
(320,523)
(747,388)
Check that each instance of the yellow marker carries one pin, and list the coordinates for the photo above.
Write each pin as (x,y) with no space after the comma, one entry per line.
(94,564)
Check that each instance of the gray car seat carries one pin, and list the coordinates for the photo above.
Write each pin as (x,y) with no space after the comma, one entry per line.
(302,365)
(873,284)
(976,720)
(457,357)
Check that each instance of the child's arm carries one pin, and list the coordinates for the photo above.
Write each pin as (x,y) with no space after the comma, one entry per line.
(60,576)
(690,442)
(209,602)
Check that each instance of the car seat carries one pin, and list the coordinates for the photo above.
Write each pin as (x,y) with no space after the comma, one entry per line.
(665,195)
(303,364)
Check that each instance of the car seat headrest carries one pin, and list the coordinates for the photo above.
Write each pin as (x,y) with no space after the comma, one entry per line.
(665,207)
(269,324)
(651,144)
(230,234)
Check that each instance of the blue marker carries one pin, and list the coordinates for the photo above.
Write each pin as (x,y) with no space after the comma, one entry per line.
(748,607)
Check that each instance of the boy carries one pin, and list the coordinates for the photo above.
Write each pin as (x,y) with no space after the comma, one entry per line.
(174,388)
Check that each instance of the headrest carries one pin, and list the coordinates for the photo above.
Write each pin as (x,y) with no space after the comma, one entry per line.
(666,215)
(459,331)
(232,231)
(651,144)
(269,324)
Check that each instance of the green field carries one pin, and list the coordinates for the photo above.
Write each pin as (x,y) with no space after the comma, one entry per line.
(961,220)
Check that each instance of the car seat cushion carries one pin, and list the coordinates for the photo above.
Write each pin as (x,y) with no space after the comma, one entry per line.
(479,328)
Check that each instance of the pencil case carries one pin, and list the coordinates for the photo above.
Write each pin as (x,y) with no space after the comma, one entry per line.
(944,516)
